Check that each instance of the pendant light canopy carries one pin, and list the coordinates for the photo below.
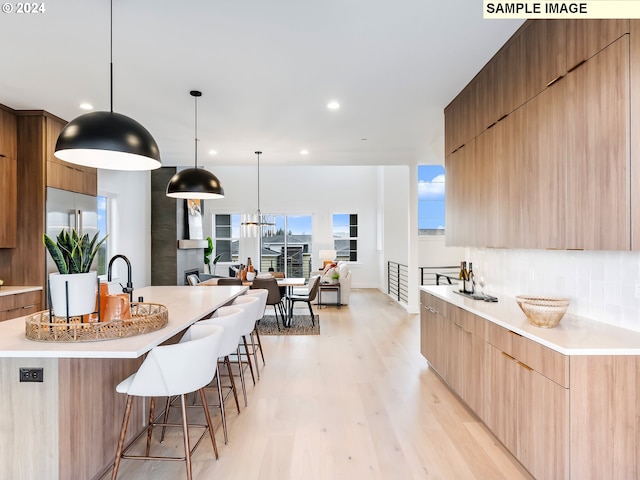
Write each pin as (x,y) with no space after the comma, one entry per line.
(108,140)
(195,183)
(256,223)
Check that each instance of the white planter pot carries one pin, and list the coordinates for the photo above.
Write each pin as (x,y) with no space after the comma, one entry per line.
(82,293)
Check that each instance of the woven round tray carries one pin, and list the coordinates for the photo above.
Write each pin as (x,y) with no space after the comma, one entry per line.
(145,318)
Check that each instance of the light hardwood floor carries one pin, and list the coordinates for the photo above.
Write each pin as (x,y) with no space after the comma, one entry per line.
(356,402)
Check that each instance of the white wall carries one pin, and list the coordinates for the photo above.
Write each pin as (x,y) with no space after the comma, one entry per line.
(319,191)
(130,231)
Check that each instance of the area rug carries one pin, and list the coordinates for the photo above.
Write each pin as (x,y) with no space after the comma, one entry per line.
(300,325)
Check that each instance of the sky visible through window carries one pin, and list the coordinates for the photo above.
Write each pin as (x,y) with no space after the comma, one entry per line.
(297,225)
(430,197)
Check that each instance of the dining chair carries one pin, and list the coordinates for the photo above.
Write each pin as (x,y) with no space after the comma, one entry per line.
(193,279)
(274,297)
(229,281)
(167,371)
(307,297)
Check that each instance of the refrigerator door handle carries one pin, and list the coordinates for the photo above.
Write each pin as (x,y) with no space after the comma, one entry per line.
(79,221)
(75,220)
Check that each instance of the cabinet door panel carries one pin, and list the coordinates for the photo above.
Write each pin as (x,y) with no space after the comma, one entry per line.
(8,202)
(501,396)
(543,425)
(585,38)
(544,190)
(461,184)
(545,46)
(598,152)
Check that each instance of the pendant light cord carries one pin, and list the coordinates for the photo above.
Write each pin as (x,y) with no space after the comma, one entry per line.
(111,54)
(196,123)
(259,212)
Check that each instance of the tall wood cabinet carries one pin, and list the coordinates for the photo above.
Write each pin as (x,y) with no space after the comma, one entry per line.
(37,132)
(8,178)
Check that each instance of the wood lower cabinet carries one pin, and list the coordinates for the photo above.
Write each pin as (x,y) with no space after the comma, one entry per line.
(20,304)
(562,417)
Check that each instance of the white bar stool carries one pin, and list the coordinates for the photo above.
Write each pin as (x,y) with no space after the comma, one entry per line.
(171,370)
(252,305)
(262,294)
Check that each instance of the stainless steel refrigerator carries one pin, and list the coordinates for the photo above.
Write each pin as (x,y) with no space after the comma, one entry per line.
(66,210)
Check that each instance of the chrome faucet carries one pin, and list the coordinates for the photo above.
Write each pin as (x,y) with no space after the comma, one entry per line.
(129,288)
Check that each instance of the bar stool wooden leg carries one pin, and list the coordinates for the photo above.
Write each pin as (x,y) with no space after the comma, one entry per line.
(246,349)
(259,344)
(185,429)
(208,417)
(152,411)
(255,353)
(244,388)
(123,432)
(233,382)
(222,414)
(165,420)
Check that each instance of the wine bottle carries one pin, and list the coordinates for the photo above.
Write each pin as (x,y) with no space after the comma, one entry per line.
(471,281)
(462,277)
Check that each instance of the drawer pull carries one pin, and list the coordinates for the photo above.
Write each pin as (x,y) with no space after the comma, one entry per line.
(554,80)
(508,356)
(525,366)
(514,333)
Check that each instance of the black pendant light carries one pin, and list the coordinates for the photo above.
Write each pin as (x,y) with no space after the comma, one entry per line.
(195,183)
(108,140)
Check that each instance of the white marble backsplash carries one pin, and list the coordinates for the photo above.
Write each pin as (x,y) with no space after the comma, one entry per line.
(603,286)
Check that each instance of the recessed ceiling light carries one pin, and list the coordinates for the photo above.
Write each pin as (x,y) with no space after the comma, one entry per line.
(86,106)
(212,152)
(333,105)
(304,152)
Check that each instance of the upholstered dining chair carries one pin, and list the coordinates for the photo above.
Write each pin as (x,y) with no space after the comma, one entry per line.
(193,279)
(274,297)
(173,370)
(307,297)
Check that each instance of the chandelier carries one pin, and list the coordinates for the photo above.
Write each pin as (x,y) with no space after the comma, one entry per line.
(256,224)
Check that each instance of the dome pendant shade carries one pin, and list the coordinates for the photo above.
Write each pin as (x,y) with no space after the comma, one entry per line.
(195,183)
(108,140)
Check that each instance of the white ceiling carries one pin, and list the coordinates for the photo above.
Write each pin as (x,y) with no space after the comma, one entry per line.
(267,69)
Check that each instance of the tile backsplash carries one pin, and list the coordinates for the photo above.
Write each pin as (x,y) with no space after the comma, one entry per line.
(603,286)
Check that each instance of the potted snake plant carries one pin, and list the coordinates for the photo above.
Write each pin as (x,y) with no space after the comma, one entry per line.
(73,254)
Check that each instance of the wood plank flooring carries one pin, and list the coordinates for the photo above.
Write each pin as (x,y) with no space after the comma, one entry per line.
(356,402)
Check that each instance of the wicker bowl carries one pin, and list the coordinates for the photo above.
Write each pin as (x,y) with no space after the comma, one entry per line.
(545,312)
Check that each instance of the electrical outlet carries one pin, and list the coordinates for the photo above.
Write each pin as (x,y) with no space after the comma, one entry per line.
(31,374)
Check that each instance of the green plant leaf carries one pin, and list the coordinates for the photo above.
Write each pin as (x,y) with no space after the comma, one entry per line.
(71,252)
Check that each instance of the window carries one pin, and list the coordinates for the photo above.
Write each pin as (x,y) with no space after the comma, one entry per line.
(431,185)
(226,232)
(345,236)
(289,250)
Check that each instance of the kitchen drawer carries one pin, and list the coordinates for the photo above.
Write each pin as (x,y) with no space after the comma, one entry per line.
(19,304)
(500,337)
(434,303)
(547,362)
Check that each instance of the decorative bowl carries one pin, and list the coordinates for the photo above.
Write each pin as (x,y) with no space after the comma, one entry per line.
(545,312)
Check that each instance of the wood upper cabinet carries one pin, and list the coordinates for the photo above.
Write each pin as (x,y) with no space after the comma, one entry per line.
(545,53)
(8,180)
(64,175)
(461,119)
(585,38)
(634,47)
(460,212)
(543,192)
(598,206)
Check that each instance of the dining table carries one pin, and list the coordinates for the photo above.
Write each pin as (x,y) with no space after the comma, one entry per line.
(288,282)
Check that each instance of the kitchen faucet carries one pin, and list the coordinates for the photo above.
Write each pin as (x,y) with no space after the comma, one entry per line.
(129,288)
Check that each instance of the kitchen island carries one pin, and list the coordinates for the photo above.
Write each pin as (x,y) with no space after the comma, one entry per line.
(66,427)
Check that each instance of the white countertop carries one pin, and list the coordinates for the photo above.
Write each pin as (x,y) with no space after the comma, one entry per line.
(8,290)
(186,305)
(573,336)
